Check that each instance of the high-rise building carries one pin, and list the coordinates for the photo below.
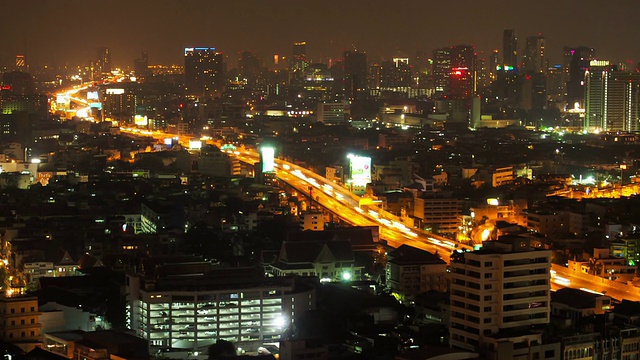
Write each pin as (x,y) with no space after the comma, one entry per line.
(441,71)
(299,61)
(499,293)
(355,75)
(612,98)
(248,66)
(463,76)
(395,73)
(533,60)
(141,65)
(509,48)
(103,60)
(576,60)
(203,72)
(595,80)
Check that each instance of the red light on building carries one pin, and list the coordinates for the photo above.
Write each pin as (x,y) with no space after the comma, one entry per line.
(5,87)
(459,71)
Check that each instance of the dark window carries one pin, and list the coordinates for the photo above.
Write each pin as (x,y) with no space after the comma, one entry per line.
(549,354)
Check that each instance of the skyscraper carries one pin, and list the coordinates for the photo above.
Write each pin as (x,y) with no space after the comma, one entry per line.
(463,76)
(533,60)
(141,65)
(509,48)
(499,293)
(355,75)
(103,60)
(576,60)
(299,62)
(299,59)
(612,98)
(248,66)
(595,79)
(203,72)
(441,71)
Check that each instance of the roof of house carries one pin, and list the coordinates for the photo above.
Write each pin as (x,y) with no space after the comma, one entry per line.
(409,255)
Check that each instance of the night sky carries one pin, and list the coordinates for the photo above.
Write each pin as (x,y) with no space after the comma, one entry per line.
(68,31)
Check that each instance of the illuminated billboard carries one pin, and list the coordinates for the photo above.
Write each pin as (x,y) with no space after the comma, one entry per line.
(267,154)
(92,95)
(62,99)
(360,169)
(140,120)
(115,91)
(195,144)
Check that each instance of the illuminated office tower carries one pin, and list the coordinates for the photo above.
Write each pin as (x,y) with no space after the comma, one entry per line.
(441,71)
(299,61)
(355,74)
(395,73)
(533,60)
(103,60)
(463,76)
(203,72)
(612,98)
(510,48)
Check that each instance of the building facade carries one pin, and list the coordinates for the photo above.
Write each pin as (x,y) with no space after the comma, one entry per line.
(192,305)
(499,291)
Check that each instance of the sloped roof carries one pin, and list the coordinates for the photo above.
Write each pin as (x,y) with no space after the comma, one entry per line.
(358,236)
(299,251)
(406,255)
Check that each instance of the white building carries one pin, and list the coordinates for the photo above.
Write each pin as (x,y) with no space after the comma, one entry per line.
(312,221)
(191,305)
(499,290)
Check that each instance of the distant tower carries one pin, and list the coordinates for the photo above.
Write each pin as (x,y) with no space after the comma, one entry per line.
(21,63)
(355,74)
(534,60)
(299,62)
(299,55)
(141,65)
(203,71)
(463,76)
(576,61)
(509,48)
(248,66)
(441,71)
(104,60)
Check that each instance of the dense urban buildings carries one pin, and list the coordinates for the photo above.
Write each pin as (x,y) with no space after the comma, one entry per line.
(317,200)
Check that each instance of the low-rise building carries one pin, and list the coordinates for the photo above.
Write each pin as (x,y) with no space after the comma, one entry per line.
(19,322)
(181,304)
(412,271)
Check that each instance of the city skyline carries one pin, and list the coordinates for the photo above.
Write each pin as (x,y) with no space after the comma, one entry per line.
(52,34)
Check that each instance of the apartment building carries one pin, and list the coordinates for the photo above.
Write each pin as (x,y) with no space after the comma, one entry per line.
(498,294)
